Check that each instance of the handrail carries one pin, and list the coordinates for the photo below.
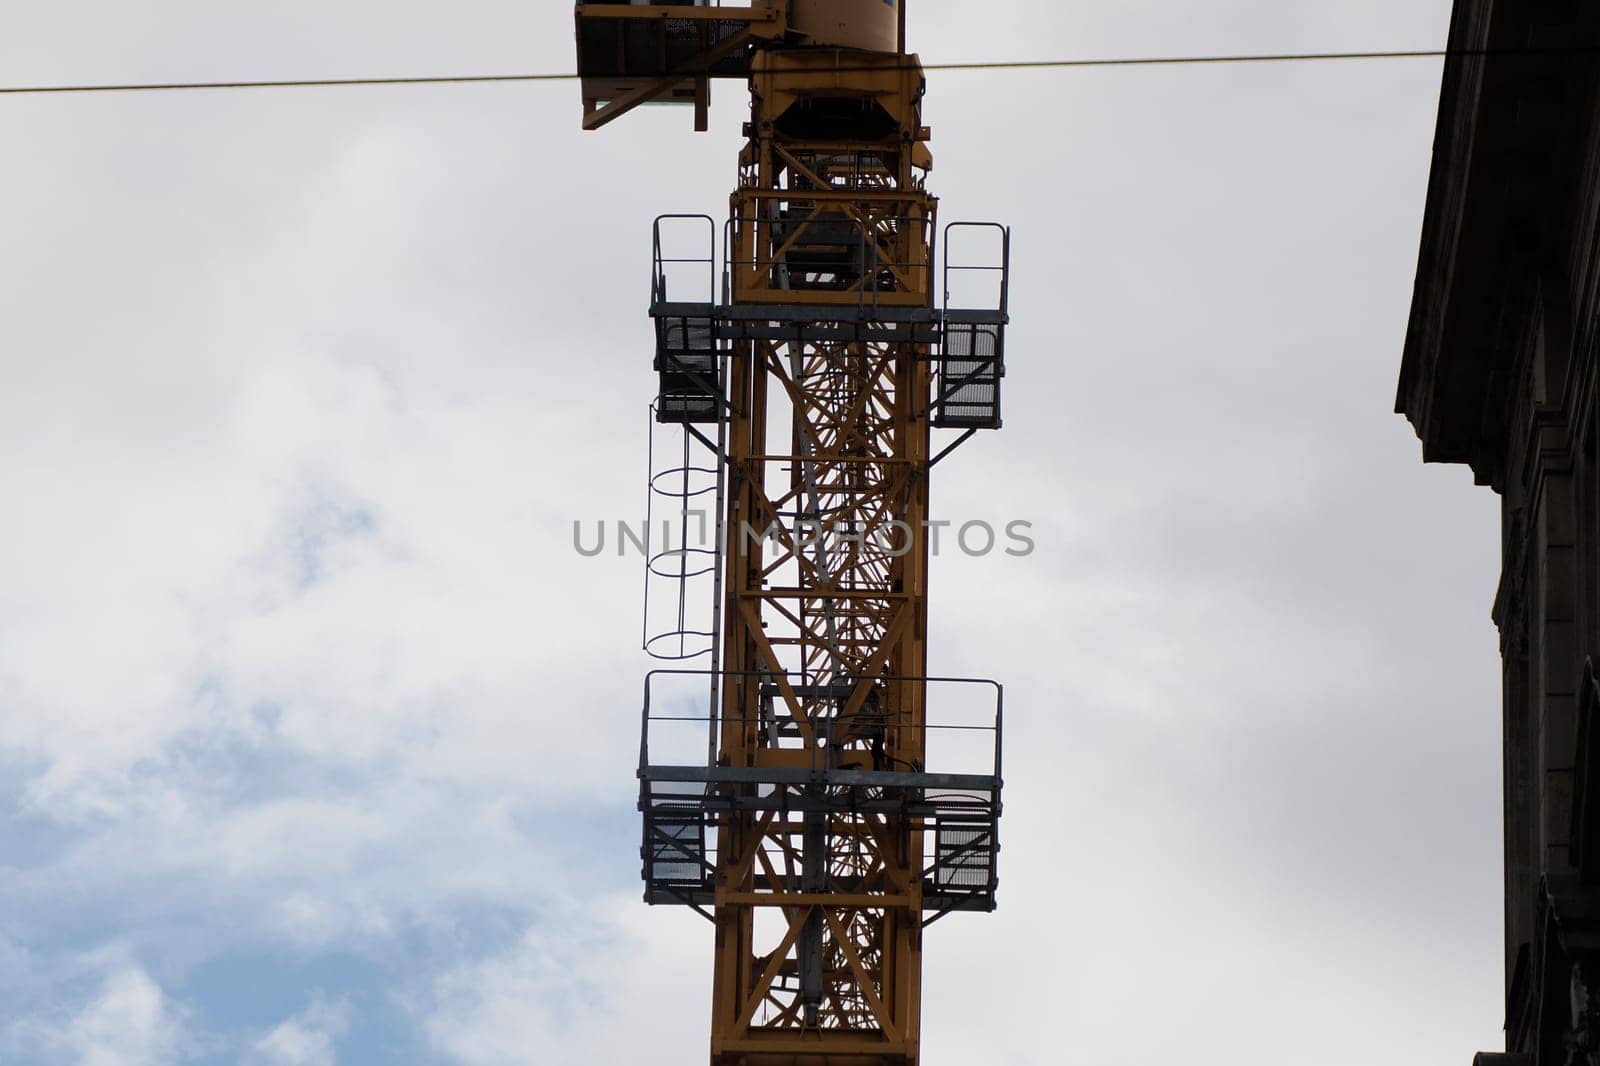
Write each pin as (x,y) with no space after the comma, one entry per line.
(658,277)
(715,718)
(1004,267)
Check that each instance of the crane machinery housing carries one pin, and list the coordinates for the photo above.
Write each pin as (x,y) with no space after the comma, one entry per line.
(814,793)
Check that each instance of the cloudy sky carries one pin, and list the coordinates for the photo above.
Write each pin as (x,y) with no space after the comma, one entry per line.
(316,736)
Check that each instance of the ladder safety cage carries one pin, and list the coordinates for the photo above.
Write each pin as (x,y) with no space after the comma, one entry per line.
(971,357)
(689,353)
(683,569)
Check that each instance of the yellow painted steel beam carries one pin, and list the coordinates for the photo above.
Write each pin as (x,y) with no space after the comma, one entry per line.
(857,414)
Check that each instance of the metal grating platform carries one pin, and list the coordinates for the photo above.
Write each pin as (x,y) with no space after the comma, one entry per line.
(956,814)
(689,364)
(970,369)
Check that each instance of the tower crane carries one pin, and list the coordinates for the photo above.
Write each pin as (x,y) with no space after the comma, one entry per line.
(815,793)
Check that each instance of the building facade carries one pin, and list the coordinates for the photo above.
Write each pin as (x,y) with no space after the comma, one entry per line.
(1499,373)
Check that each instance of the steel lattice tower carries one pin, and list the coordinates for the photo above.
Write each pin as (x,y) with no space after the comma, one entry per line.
(814,832)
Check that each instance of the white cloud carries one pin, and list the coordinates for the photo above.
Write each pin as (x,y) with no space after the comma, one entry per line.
(310,1038)
(603,982)
(129,1021)
(130,1024)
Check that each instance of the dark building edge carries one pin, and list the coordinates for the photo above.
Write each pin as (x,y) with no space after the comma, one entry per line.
(1499,373)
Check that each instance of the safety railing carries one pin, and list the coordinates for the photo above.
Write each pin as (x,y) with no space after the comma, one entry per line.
(960,733)
(974,301)
(665,264)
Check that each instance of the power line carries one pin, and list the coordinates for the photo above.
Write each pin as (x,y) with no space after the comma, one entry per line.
(1022,64)
(1176,61)
(300,83)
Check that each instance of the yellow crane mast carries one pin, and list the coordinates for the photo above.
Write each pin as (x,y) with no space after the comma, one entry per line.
(828,799)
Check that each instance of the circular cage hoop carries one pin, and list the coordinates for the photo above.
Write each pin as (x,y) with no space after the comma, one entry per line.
(684,572)
(682,636)
(680,472)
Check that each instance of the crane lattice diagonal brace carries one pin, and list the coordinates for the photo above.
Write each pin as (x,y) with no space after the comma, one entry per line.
(832,798)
